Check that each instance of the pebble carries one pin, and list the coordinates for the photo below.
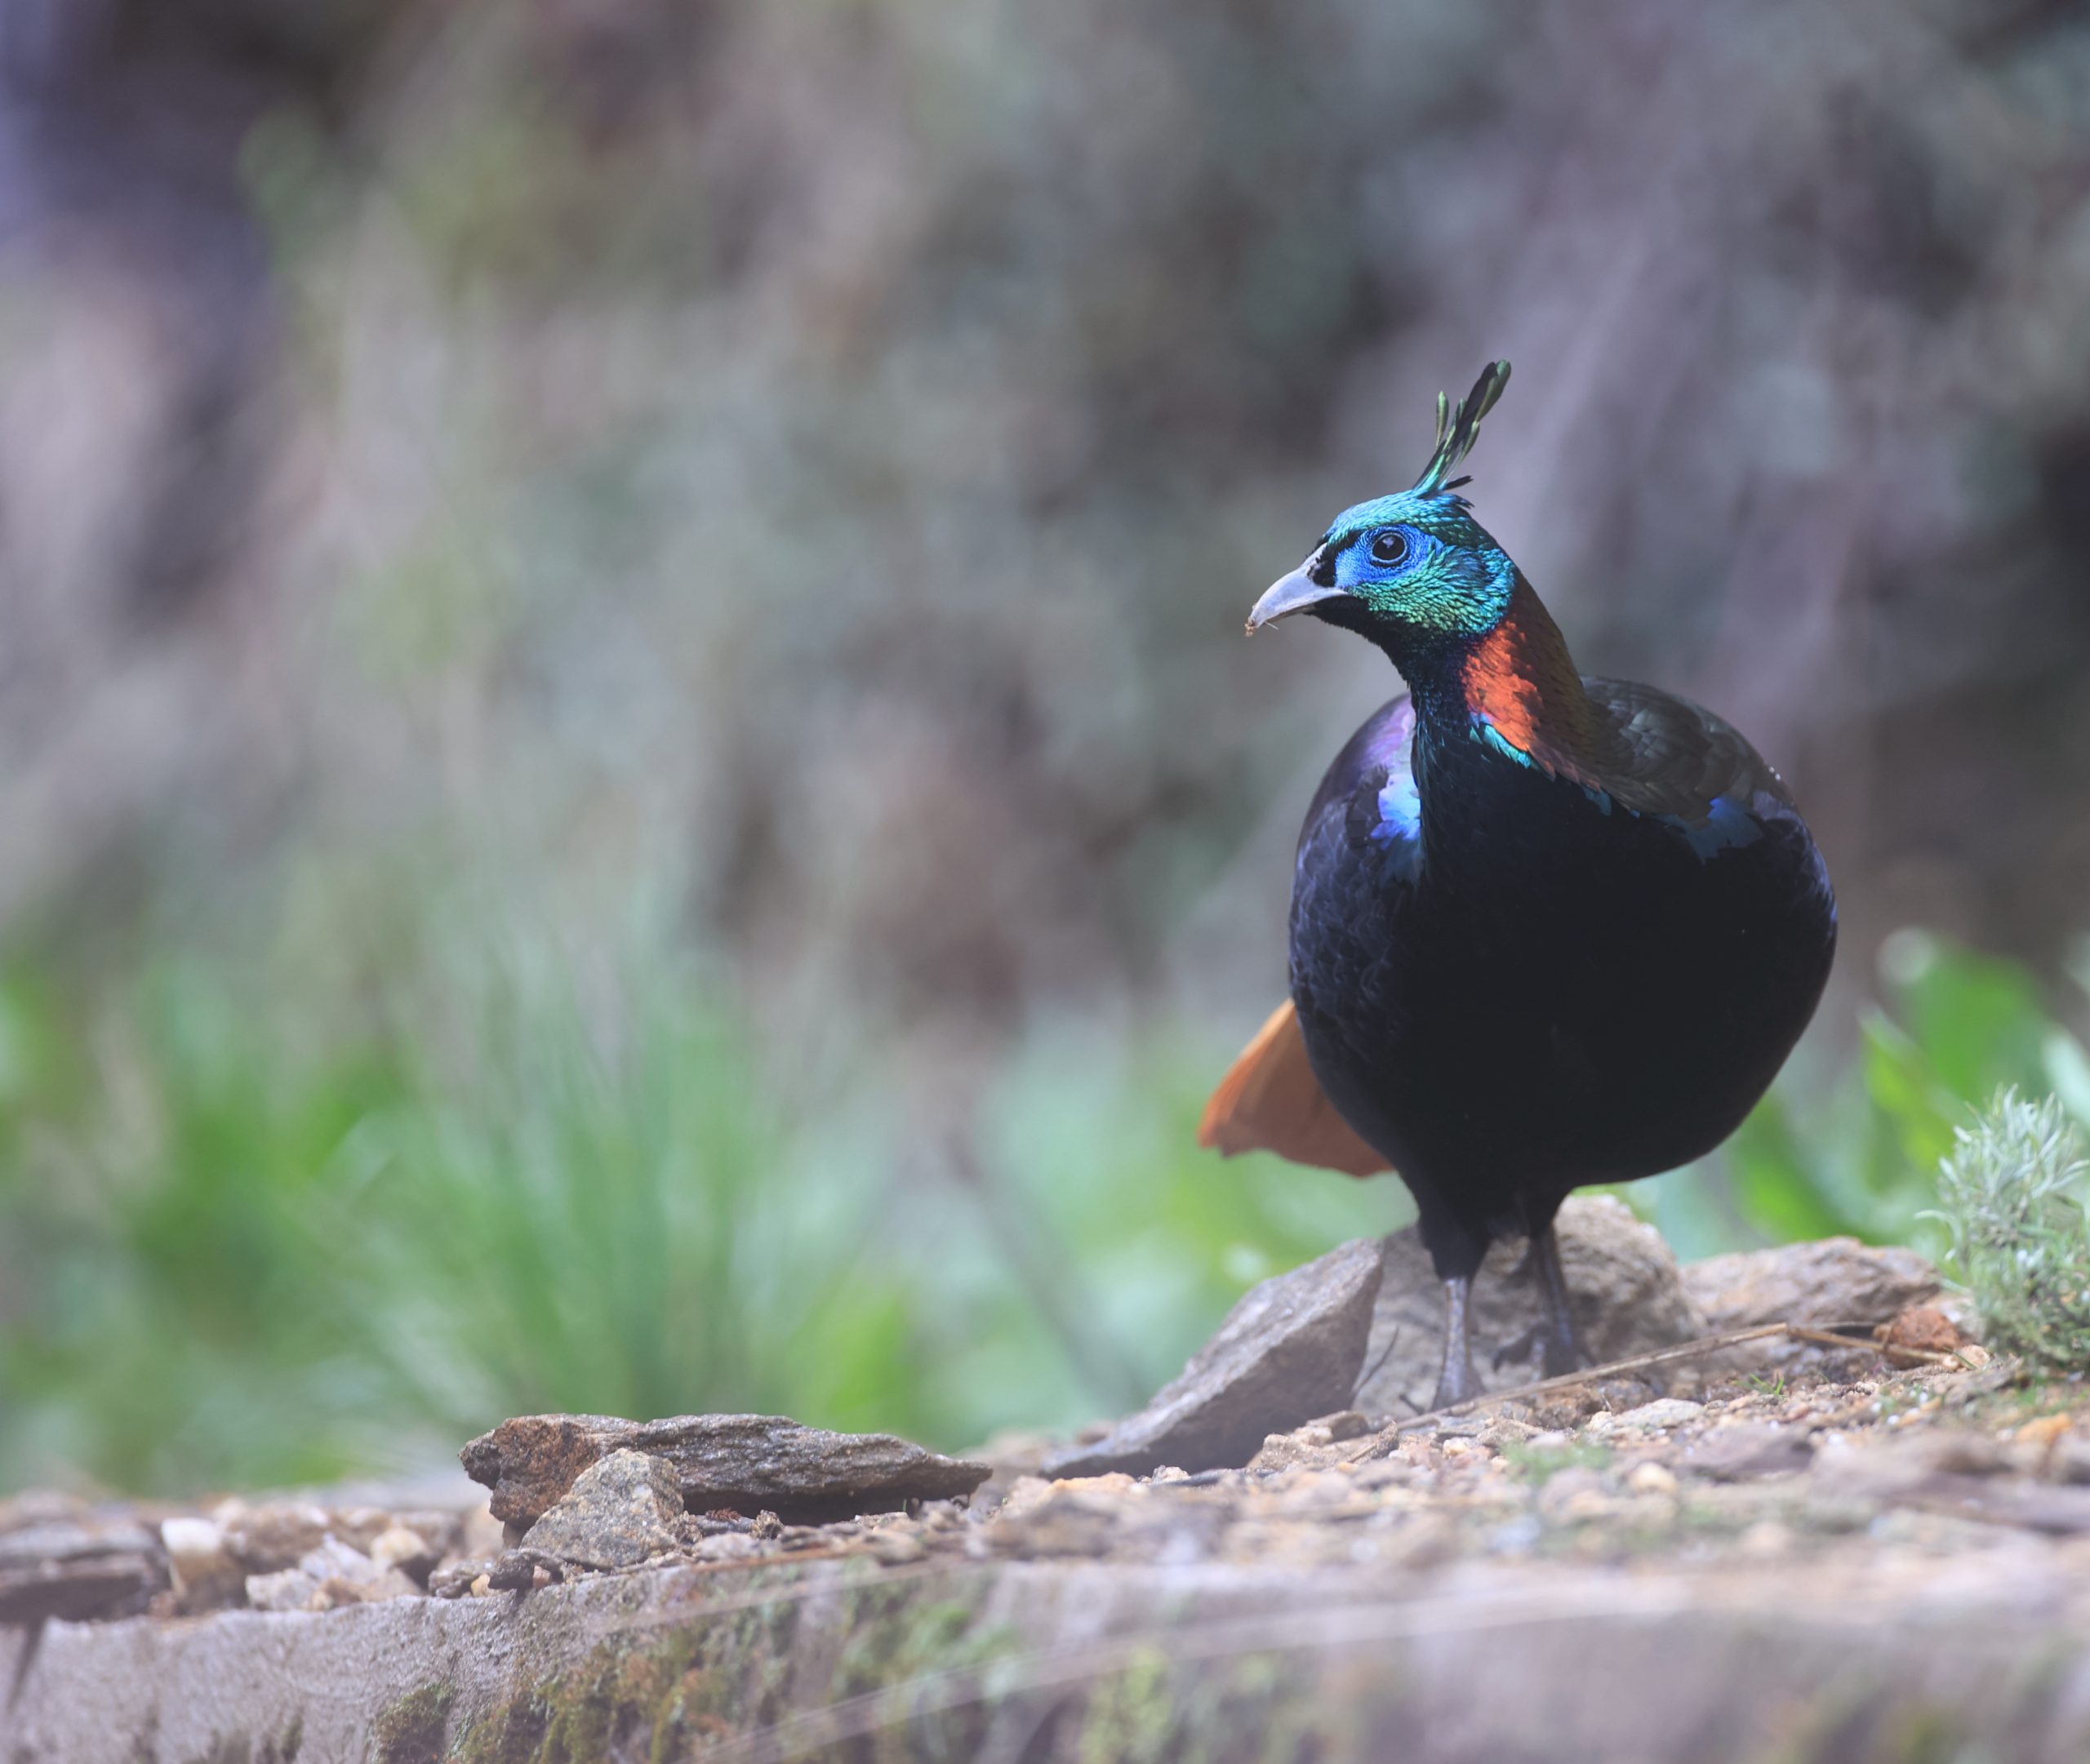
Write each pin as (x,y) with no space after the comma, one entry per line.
(197,1559)
(286,1589)
(1651,1478)
(1665,1412)
(1766,1540)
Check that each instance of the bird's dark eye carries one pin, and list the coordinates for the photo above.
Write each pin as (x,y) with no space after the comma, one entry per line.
(1389,547)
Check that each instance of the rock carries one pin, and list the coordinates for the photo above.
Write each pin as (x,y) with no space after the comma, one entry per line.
(1917,1333)
(1629,1299)
(77,1568)
(1650,1478)
(1290,1350)
(1837,1279)
(286,1589)
(203,1571)
(332,1559)
(744,1462)
(522,1570)
(398,1547)
(1834,1281)
(1747,1450)
(1652,1417)
(454,1579)
(271,1537)
(620,1509)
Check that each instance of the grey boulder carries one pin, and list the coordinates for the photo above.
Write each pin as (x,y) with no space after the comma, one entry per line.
(1629,1299)
(1290,1351)
(620,1510)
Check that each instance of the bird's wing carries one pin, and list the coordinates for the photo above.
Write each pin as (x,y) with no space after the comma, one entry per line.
(1270,1101)
(1677,758)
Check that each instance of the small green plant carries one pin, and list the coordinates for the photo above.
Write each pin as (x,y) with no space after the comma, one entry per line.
(1538,1465)
(1771,1385)
(2019,1240)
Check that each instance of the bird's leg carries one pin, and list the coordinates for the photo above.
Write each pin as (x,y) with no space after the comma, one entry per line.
(1457,1381)
(1564,1352)
(1555,1333)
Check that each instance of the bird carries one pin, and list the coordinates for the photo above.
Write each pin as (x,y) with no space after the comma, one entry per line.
(1546,931)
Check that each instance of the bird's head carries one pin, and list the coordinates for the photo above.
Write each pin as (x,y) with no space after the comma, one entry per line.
(1415,568)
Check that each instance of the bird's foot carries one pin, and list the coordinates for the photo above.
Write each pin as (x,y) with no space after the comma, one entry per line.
(1522,1348)
(1558,1353)
(1457,1383)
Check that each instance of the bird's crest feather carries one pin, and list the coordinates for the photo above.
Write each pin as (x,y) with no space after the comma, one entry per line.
(1458,426)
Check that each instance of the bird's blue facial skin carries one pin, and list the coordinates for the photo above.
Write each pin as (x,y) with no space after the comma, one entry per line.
(1423,562)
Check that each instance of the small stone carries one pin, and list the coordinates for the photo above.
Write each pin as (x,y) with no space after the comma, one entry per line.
(265,1538)
(1917,1332)
(455,1579)
(620,1510)
(1574,1494)
(285,1589)
(1650,1478)
(359,1527)
(482,1584)
(1743,1450)
(1653,1417)
(522,1569)
(333,1560)
(766,1527)
(202,1569)
(894,1548)
(1344,1423)
(408,1551)
(1766,1540)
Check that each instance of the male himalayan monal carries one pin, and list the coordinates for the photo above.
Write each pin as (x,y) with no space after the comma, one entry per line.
(1546,931)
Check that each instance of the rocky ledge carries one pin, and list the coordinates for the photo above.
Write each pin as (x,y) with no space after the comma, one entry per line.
(1804,1546)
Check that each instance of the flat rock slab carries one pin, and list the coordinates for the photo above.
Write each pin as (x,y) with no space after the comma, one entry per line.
(750,1463)
(1629,1298)
(1052,1661)
(1289,1352)
(74,1568)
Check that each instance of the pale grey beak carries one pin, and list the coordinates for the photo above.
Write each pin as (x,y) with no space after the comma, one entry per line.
(1289,594)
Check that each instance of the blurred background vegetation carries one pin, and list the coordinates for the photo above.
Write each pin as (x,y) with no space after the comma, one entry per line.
(627,780)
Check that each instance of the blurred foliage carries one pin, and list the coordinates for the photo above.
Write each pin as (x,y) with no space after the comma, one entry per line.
(235,1254)
(2010,1196)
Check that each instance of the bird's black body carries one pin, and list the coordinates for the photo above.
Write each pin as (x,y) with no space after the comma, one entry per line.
(1537,989)
(1546,932)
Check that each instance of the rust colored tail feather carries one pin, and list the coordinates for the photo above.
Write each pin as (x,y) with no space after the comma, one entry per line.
(1270,1101)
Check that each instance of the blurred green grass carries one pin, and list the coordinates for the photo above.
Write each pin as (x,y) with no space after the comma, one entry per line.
(236,1249)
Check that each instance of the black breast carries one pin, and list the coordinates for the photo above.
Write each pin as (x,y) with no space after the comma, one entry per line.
(1539,983)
